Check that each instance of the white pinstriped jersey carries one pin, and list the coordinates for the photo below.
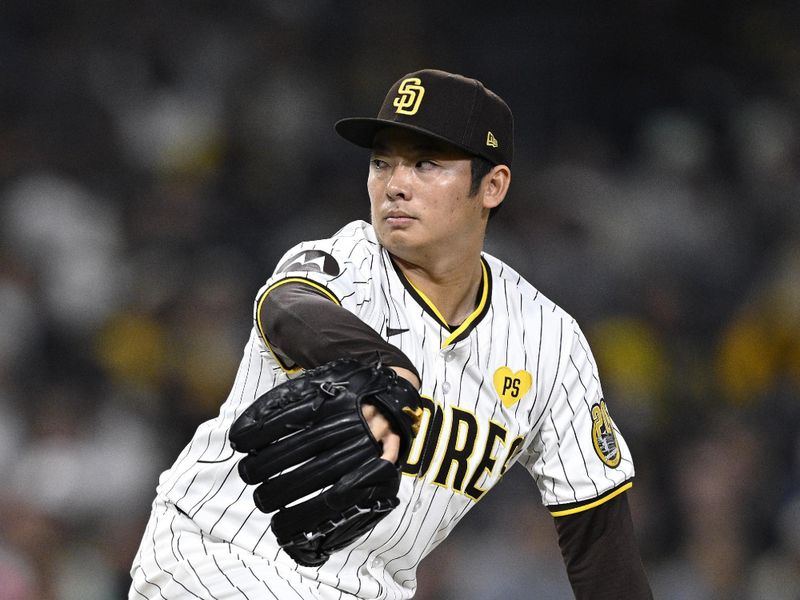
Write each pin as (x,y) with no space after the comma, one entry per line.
(516,382)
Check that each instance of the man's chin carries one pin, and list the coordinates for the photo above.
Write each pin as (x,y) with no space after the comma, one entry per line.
(398,242)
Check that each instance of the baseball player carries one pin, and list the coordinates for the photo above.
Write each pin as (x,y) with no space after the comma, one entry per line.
(446,366)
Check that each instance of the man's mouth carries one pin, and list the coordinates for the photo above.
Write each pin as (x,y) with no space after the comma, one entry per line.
(398,218)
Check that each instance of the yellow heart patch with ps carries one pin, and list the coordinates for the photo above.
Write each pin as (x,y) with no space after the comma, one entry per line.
(511,386)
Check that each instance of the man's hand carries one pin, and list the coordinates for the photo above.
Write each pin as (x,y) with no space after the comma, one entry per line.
(382,432)
(380,428)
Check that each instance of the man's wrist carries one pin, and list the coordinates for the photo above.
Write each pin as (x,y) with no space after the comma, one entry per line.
(407,375)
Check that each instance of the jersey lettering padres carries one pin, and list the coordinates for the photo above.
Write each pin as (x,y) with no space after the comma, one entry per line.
(515,382)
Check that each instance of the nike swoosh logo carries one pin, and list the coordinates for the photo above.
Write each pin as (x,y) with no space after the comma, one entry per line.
(390,331)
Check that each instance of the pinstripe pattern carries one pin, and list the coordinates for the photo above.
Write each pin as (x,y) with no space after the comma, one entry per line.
(180,561)
(518,330)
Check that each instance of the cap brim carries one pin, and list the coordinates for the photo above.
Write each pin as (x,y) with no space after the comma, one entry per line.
(361,131)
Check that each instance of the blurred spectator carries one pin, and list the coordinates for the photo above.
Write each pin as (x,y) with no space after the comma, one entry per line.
(776,575)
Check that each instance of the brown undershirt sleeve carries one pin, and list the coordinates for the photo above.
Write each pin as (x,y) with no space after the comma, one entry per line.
(305,328)
(601,553)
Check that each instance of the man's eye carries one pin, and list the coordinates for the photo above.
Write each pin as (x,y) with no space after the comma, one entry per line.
(377,163)
(425,164)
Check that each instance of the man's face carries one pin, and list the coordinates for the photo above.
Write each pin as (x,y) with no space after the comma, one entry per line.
(419,195)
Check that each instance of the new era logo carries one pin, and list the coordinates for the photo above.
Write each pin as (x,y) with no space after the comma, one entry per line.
(491,140)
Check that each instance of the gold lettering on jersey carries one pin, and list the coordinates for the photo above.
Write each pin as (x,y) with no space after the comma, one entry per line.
(416,416)
(460,446)
(426,440)
(511,386)
(604,439)
(491,140)
(409,96)
(449,441)
(496,433)
(513,453)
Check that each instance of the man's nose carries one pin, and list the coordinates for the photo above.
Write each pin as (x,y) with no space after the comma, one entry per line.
(399,185)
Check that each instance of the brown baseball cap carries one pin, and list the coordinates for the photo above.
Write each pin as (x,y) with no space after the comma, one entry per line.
(445,106)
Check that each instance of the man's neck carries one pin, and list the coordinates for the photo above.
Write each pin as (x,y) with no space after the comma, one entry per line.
(452,290)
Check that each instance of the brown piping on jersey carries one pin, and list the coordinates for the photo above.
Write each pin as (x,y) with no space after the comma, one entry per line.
(462,330)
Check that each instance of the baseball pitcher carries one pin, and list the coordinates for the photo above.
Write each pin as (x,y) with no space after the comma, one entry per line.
(394,372)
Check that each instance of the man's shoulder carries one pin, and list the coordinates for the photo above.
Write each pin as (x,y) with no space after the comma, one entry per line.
(511,283)
(353,240)
(357,233)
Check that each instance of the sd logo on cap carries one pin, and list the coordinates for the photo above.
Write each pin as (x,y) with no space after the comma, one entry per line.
(445,106)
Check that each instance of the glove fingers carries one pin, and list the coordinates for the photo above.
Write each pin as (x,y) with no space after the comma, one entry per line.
(266,421)
(377,479)
(298,448)
(313,475)
(356,526)
(302,539)
(279,413)
(310,531)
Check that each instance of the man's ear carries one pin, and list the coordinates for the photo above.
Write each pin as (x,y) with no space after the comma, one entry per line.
(496,186)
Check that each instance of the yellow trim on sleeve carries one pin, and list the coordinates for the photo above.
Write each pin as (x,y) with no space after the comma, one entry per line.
(277,284)
(598,502)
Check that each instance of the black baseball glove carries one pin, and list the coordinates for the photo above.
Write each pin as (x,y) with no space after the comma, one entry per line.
(315,460)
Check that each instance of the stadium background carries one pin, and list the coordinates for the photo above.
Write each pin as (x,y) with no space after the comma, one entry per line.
(156,158)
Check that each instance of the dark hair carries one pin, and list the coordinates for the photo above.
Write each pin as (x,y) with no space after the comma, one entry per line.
(480,169)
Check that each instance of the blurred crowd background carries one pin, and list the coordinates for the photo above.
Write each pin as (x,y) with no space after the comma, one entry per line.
(158,157)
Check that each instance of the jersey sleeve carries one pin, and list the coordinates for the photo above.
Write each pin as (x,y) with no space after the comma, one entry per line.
(578,457)
(338,268)
(304,328)
(342,266)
